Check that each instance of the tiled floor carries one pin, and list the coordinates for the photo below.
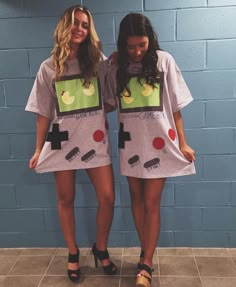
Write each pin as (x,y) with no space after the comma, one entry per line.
(174,267)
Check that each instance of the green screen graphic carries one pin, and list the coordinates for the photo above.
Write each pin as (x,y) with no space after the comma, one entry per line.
(143,96)
(74,97)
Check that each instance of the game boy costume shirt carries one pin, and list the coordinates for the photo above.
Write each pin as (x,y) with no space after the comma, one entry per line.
(78,134)
(148,140)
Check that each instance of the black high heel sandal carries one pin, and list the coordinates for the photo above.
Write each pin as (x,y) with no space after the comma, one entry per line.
(100,255)
(143,280)
(139,265)
(74,275)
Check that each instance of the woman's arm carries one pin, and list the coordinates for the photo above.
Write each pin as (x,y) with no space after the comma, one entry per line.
(109,108)
(187,151)
(42,129)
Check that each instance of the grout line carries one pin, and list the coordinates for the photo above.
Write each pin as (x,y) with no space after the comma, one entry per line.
(127,276)
(230,254)
(21,275)
(198,270)
(121,264)
(204,277)
(14,264)
(158,267)
(158,263)
(85,262)
(234,263)
(46,270)
(210,256)
(179,276)
(121,276)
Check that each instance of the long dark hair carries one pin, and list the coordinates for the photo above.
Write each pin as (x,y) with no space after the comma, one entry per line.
(135,24)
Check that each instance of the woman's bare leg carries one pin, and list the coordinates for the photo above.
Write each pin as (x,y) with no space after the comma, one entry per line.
(65,186)
(136,187)
(152,200)
(103,181)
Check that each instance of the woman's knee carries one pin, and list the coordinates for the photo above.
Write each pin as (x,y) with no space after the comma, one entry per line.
(136,196)
(152,206)
(106,198)
(66,201)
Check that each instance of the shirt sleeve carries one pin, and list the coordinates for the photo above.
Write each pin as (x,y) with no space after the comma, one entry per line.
(106,74)
(103,57)
(180,95)
(42,100)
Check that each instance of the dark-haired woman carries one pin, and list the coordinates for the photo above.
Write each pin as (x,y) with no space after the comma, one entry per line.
(146,85)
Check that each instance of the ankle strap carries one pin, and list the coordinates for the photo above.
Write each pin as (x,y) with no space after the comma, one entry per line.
(141,254)
(73,258)
(100,254)
(147,268)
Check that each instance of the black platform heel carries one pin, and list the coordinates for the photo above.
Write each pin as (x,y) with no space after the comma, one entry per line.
(139,265)
(74,275)
(100,255)
(143,280)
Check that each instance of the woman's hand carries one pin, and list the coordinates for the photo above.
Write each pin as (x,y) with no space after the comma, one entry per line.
(113,58)
(188,152)
(34,159)
(42,129)
(108,108)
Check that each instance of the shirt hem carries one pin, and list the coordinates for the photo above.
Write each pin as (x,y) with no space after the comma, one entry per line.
(192,172)
(42,170)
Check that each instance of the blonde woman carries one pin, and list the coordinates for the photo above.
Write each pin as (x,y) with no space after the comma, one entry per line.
(72,130)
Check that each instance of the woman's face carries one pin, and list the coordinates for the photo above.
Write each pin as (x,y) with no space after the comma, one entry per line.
(137,47)
(80,29)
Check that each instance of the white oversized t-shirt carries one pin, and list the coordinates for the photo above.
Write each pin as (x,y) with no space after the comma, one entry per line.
(148,140)
(78,134)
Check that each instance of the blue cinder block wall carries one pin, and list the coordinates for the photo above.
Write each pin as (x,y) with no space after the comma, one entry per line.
(198,210)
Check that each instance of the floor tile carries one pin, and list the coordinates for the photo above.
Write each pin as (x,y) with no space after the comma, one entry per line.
(21,281)
(218,282)
(112,251)
(134,251)
(115,251)
(129,281)
(64,251)
(101,281)
(174,267)
(129,265)
(180,282)
(61,252)
(10,251)
(234,260)
(6,263)
(232,251)
(216,266)
(58,265)
(84,251)
(2,279)
(215,252)
(38,251)
(58,281)
(89,268)
(178,266)
(175,252)
(31,265)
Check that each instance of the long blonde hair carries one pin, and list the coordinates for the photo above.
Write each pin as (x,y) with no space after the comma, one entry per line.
(89,51)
